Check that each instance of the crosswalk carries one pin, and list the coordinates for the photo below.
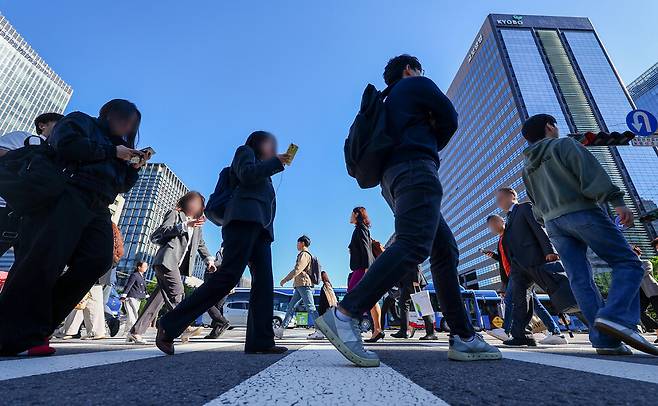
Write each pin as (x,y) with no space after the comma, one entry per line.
(412,373)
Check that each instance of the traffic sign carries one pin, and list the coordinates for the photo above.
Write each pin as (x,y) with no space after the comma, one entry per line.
(641,122)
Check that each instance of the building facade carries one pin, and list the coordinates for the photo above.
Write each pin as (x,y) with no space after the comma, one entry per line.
(28,86)
(519,66)
(644,90)
(156,192)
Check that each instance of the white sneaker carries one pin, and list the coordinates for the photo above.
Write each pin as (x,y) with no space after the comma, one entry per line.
(189,333)
(499,334)
(278,332)
(554,339)
(135,338)
(317,335)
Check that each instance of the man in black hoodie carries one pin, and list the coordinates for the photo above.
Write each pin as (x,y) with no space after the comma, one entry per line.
(422,120)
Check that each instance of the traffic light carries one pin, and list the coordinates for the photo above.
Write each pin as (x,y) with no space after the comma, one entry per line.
(591,139)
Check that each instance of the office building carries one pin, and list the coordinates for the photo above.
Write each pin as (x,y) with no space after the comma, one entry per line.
(516,67)
(28,86)
(644,90)
(156,192)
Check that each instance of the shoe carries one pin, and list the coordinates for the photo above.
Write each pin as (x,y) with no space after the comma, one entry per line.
(346,337)
(93,337)
(164,343)
(413,332)
(656,341)
(376,337)
(520,342)
(621,350)
(316,335)
(554,339)
(217,331)
(625,334)
(475,349)
(189,333)
(70,337)
(135,338)
(400,334)
(278,332)
(272,350)
(429,337)
(499,333)
(42,350)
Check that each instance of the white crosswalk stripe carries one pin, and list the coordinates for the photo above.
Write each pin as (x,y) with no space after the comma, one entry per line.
(318,374)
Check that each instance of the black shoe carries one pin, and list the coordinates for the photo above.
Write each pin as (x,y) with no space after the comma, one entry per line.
(164,343)
(519,342)
(429,337)
(272,350)
(216,331)
(400,334)
(374,339)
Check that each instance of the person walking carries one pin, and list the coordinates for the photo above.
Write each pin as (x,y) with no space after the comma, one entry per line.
(496,225)
(302,284)
(648,293)
(76,229)
(327,300)
(247,234)
(180,238)
(219,323)
(133,294)
(421,118)
(413,283)
(566,184)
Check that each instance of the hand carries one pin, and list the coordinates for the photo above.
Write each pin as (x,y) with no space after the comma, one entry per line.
(282,283)
(126,154)
(284,158)
(196,222)
(490,254)
(211,268)
(625,216)
(552,257)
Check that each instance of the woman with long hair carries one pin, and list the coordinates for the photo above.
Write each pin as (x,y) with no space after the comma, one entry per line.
(75,230)
(247,235)
(361,257)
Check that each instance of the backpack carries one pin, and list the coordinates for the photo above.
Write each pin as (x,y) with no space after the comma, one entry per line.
(368,145)
(315,270)
(218,200)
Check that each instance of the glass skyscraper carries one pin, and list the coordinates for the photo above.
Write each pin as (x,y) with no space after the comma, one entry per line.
(28,86)
(644,90)
(519,66)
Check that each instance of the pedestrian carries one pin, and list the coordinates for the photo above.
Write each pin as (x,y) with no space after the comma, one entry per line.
(303,286)
(412,283)
(648,293)
(327,300)
(9,221)
(219,323)
(496,225)
(248,233)
(133,294)
(180,238)
(75,230)
(567,184)
(420,117)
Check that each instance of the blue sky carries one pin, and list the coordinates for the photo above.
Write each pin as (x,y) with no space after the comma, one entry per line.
(207,73)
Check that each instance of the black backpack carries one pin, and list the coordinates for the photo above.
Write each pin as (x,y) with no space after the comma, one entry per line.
(315,270)
(368,145)
(216,206)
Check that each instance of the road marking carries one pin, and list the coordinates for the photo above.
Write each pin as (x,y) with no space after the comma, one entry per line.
(318,374)
(618,369)
(20,368)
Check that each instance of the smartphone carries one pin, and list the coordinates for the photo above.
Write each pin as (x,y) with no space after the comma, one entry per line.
(148,150)
(292,151)
(137,159)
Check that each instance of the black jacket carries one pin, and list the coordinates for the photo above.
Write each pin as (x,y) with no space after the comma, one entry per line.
(421,118)
(361,248)
(525,241)
(84,146)
(253,198)
(135,286)
(504,279)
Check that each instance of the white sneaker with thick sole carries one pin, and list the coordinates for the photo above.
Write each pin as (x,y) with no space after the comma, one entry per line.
(499,333)
(317,335)
(554,339)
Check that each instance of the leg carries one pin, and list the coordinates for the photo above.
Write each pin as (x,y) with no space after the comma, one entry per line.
(94,313)
(544,315)
(405,301)
(239,240)
(376,314)
(429,325)
(523,309)
(290,311)
(150,312)
(509,308)
(72,323)
(131,305)
(260,335)
(306,294)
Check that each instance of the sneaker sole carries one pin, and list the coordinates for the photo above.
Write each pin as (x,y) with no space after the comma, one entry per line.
(342,348)
(612,330)
(473,356)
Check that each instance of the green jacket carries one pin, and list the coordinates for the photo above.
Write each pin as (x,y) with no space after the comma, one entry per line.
(561,176)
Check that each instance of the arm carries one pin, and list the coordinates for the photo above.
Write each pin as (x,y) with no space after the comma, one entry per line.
(538,231)
(443,114)
(71,141)
(250,171)
(204,252)
(129,285)
(595,183)
(168,229)
(300,266)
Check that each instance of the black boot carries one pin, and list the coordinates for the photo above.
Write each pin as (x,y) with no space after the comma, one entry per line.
(217,331)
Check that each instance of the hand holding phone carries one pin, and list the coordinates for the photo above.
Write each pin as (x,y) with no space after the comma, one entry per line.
(144,155)
(291,152)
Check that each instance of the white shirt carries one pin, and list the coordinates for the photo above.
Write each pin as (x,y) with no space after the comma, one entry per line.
(190,233)
(14,140)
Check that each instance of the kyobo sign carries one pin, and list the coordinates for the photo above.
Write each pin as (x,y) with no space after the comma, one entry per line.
(474,48)
(514,20)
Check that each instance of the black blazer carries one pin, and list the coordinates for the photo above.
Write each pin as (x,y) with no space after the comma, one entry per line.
(136,286)
(525,240)
(361,248)
(253,199)
(504,279)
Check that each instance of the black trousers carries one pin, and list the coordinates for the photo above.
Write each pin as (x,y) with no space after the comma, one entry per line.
(647,321)
(75,231)
(523,308)
(9,227)
(414,192)
(168,293)
(388,306)
(244,243)
(216,311)
(405,302)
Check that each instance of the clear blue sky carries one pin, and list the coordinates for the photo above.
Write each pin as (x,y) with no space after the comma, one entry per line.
(207,73)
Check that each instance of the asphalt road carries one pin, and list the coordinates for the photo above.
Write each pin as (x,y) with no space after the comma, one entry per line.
(413,373)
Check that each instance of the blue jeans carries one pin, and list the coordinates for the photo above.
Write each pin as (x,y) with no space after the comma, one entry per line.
(302,294)
(539,309)
(571,234)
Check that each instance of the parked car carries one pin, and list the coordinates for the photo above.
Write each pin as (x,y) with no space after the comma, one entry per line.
(236,313)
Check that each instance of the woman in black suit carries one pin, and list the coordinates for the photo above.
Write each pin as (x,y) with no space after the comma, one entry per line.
(247,236)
